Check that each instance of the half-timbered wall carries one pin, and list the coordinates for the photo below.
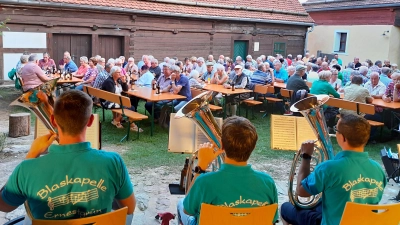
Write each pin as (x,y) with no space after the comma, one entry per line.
(142,34)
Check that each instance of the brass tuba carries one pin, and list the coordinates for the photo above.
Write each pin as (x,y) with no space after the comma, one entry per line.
(198,111)
(40,100)
(311,109)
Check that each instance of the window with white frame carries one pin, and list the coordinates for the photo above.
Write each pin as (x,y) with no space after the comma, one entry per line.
(341,41)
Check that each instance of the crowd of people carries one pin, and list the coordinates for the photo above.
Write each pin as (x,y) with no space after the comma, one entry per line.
(359,81)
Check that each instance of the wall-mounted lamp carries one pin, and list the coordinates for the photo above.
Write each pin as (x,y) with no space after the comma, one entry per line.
(116,27)
(385,33)
(95,27)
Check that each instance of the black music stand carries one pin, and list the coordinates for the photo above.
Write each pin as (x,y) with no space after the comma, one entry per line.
(391,165)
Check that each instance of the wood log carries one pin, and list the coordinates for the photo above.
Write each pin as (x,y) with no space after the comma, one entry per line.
(19,125)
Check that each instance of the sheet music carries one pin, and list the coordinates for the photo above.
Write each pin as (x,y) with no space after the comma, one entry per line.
(201,138)
(304,131)
(283,132)
(92,133)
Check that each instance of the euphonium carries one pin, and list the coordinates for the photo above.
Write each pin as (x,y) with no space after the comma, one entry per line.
(311,109)
(198,111)
(40,100)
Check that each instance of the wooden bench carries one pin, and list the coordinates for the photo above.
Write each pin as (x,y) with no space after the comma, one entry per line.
(123,101)
(358,107)
(212,107)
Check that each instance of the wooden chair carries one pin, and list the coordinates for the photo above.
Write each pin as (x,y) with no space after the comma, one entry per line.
(271,90)
(123,101)
(287,96)
(117,217)
(210,214)
(212,107)
(258,90)
(371,214)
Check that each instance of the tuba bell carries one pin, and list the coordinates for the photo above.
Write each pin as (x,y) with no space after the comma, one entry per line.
(198,111)
(311,109)
(40,100)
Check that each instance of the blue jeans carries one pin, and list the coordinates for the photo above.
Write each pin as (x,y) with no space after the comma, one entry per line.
(157,107)
(183,217)
(178,104)
(80,87)
(296,216)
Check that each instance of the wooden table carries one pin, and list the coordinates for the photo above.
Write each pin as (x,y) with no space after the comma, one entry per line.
(74,80)
(225,91)
(279,85)
(383,104)
(150,95)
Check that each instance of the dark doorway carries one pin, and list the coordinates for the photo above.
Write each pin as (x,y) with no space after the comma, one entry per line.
(240,48)
(77,45)
(110,46)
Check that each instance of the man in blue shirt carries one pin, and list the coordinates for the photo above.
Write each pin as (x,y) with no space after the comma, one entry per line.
(235,184)
(146,78)
(70,66)
(281,75)
(350,177)
(180,85)
(261,76)
(384,77)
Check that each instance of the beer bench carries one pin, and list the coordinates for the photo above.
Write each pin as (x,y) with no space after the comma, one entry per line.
(123,101)
(212,107)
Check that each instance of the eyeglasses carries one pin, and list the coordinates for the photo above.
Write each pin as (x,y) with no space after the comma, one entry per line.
(335,129)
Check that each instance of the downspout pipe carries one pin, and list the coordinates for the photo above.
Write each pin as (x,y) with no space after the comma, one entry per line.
(147,12)
(309,30)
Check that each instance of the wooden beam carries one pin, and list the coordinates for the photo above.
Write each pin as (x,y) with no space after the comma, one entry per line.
(126,46)
(49,43)
(95,44)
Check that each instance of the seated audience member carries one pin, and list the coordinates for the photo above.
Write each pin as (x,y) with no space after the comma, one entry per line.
(146,61)
(323,87)
(111,60)
(386,63)
(234,172)
(155,69)
(187,67)
(210,59)
(69,169)
(295,82)
(346,73)
(392,92)
(146,78)
(240,81)
(339,179)
(90,75)
(180,86)
(289,59)
(118,62)
(61,63)
(161,65)
(374,86)
(208,76)
(340,75)
(262,76)
(83,67)
(324,66)
(102,62)
(247,69)
(46,62)
(131,67)
(193,80)
(123,61)
(229,66)
(395,68)
(180,65)
(291,71)
(31,74)
(313,74)
(220,77)
(23,60)
(377,67)
(357,63)
(70,65)
(363,72)
(280,74)
(164,82)
(356,93)
(249,59)
(239,61)
(116,83)
(385,75)
(334,81)
(201,66)
(102,76)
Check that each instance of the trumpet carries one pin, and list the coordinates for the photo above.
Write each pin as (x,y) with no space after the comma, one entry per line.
(199,112)
(311,109)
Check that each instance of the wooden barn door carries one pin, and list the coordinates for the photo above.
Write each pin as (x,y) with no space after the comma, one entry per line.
(240,48)
(77,45)
(110,47)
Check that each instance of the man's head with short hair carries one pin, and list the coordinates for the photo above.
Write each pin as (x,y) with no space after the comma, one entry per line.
(24,59)
(108,67)
(325,75)
(46,56)
(363,70)
(261,67)
(200,61)
(166,70)
(386,71)
(386,62)
(249,58)
(357,79)
(374,78)
(315,67)
(378,63)
(33,58)
(356,60)
(154,62)
(336,56)
(354,130)
(291,70)
(350,65)
(239,138)
(325,65)
(93,60)
(72,111)
(210,58)
(277,65)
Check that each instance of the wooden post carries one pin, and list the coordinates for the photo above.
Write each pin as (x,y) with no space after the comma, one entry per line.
(19,125)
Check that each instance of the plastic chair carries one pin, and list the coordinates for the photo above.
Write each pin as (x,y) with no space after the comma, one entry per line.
(355,213)
(117,217)
(210,214)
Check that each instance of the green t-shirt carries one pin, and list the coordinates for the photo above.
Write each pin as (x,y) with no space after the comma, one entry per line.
(323,87)
(71,181)
(349,177)
(231,186)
